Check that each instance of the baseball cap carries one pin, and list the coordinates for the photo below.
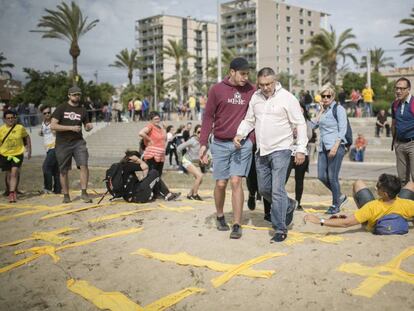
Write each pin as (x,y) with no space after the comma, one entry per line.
(239,63)
(75,90)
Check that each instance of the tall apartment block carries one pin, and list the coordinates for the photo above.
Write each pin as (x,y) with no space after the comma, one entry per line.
(271,33)
(199,39)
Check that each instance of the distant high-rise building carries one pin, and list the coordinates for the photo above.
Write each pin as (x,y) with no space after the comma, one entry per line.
(199,38)
(271,34)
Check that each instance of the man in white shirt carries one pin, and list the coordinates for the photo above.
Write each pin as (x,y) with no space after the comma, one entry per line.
(273,113)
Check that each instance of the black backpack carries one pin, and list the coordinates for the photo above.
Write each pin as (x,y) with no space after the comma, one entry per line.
(348,134)
(114,180)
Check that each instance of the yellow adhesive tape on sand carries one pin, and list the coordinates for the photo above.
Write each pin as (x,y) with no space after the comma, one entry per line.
(298,237)
(379,276)
(180,209)
(118,215)
(51,250)
(36,210)
(116,301)
(49,236)
(224,278)
(187,260)
(80,209)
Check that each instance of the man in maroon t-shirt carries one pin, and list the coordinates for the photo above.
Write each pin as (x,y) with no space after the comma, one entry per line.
(67,121)
(226,107)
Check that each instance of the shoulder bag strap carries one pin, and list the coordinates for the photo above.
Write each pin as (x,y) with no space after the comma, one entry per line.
(7,135)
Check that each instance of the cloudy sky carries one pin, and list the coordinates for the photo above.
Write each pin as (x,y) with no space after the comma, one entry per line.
(374,22)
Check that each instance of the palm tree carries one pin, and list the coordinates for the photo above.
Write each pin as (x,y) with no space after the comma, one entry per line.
(66,23)
(227,56)
(328,49)
(179,54)
(377,60)
(127,60)
(408,34)
(5,65)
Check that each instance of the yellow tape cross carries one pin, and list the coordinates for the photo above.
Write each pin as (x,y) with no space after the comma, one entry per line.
(379,276)
(116,301)
(298,237)
(50,236)
(229,269)
(51,250)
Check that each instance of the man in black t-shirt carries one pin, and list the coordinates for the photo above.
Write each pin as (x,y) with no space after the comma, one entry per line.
(67,121)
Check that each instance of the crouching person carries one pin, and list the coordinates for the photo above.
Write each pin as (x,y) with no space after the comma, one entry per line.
(149,187)
(386,215)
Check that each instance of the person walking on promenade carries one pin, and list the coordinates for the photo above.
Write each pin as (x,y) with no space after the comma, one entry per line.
(226,107)
(67,122)
(368,97)
(403,129)
(14,141)
(272,113)
(332,145)
(50,167)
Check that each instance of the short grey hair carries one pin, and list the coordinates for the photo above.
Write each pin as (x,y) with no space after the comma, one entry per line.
(328,88)
(265,72)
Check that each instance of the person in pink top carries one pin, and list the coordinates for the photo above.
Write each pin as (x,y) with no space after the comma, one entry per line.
(226,107)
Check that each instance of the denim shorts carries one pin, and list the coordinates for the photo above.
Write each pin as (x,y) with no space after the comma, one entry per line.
(229,161)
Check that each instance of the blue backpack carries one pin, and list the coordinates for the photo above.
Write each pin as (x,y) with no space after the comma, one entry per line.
(391,224)
(348,134)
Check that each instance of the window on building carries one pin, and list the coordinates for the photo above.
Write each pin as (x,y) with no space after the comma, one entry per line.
(312,63)
(302,41)
(301,12)
(287,7)
(288,29)
(301,51)
(309,23)
(277,17)
(311,33)
(309,13)
(288,50)
(288,19)
(301,31)
(301,21)
(302,72)
(287,39)
(288,60)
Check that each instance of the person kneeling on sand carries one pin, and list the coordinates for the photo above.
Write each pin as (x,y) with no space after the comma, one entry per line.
(149,187)
(386,215)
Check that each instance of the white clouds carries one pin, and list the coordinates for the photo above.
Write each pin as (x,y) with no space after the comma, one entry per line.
(374,23)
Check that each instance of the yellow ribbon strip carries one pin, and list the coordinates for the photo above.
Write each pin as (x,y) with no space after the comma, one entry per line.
(50,236)
(116,301)
(298,237)
(80,209)
(51,250)
(381,275)
(13,158)
(224,278)
(36,210)
(185,259)
(122,214)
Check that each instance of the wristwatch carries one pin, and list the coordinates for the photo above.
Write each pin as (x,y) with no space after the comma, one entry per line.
(322,221)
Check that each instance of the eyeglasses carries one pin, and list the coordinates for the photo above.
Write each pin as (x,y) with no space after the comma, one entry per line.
(400,88)
(326,96)
(46,112)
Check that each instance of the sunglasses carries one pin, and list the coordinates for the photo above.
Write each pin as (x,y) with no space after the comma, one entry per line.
(326,96)
(46,112)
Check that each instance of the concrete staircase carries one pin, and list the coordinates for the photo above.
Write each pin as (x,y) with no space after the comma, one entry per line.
(109,143)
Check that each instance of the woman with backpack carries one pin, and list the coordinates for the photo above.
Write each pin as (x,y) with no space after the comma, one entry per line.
(332,122)
(149,187)
(191,162)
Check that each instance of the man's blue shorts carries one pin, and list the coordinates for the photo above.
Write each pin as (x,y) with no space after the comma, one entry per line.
(229,161)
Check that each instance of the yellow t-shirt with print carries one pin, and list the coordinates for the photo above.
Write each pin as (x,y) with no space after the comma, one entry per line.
(13,145)
(368,95)
(374,210)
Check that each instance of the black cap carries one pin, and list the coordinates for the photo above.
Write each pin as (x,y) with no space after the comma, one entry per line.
(75,90)
(239,63)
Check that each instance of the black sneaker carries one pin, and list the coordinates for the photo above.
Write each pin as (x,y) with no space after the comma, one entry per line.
(289,215)
(267,217)
(299,208)
(66,199)
(190,197)
(222,224)
(236,232)
(279,237)
(251,202)
(174,196)
(196,197)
